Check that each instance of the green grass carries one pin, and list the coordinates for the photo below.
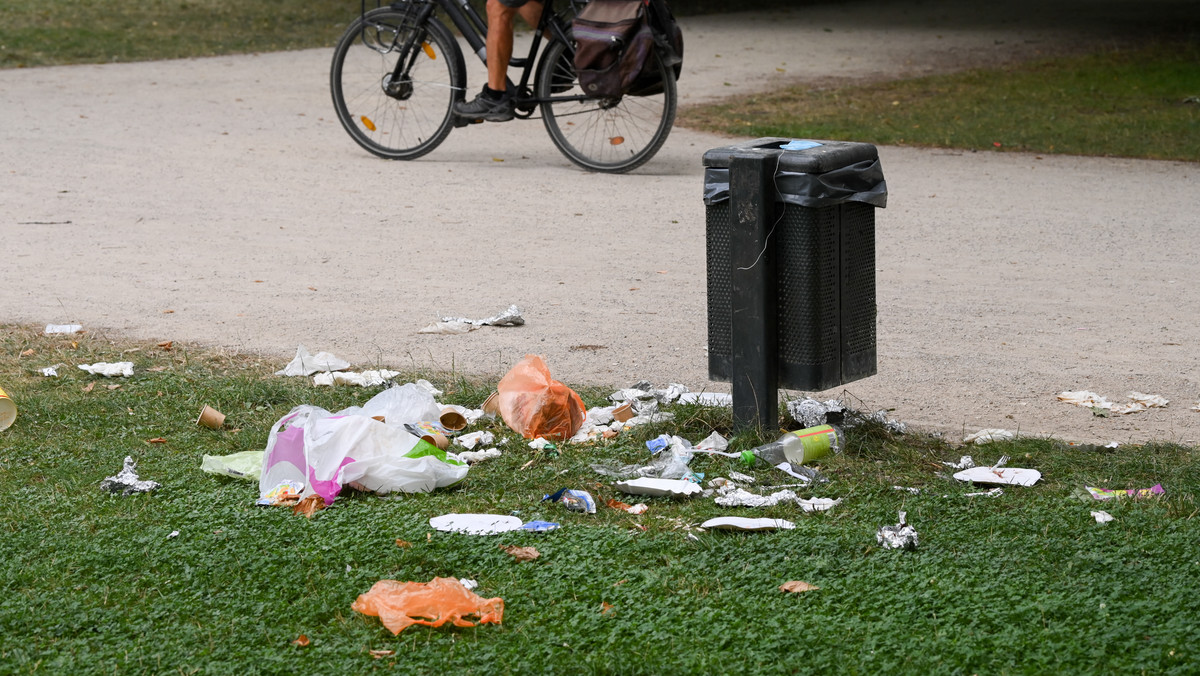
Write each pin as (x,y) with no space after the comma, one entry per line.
(1023,583)
(1128,103)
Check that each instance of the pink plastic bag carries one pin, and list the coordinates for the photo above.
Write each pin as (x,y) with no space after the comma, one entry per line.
(535,405)
(443,599)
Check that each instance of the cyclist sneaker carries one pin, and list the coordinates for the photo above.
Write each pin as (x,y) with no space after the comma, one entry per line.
(484,107)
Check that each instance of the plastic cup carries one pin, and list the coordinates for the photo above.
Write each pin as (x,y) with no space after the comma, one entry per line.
(8,410)
(211,418)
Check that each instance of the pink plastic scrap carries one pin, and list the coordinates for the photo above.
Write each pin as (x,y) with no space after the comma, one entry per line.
(441,600)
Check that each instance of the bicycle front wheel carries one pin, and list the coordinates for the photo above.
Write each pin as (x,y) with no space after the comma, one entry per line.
(611,135)
(398,118)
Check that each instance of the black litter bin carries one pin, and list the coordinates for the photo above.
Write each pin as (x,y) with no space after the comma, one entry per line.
(813,251)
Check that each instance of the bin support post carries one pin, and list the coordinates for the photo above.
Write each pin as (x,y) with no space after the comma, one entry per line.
(755,374)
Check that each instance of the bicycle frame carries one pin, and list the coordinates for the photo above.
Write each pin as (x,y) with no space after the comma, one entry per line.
(474,31)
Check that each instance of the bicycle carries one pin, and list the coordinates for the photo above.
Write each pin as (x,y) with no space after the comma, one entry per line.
(398,71)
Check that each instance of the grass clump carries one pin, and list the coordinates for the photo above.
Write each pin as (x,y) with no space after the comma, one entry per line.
(1025,582)
(1141,102)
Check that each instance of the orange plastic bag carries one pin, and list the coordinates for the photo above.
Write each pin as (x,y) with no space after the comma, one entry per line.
(441,600)
(535,405)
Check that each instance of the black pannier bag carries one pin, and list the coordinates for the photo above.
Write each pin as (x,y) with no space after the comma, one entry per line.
(613,42)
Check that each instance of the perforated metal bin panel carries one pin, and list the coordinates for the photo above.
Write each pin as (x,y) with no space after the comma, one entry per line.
(825,262)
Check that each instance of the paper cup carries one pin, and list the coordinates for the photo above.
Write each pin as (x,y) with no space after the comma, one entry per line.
(211,417)
(623,412)
(491,405)
(452,419)
(8,410)
(436,439)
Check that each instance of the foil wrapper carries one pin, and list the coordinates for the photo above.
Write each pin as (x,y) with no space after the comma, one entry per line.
(812,413)
(510,317)
(126,481)
(900,536)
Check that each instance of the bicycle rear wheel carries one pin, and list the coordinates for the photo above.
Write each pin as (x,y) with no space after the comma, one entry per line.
(611,135)
(406,118)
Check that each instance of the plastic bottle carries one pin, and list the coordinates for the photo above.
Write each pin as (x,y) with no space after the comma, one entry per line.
(799,447)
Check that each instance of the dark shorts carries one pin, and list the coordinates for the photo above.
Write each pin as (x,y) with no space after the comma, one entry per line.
(513,3)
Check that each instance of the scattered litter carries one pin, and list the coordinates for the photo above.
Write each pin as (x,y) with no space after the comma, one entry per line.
(540,526)
(806,474)
(175,534)
(305,364)
(741,478)
(732,496)
(914,491)
(509,317)
(286,492)
(469,584)
(101,368)
(244,465)
(623,412)
(798,447)
(573,500)
(1102,516)
(1112,444)
(809,412)
(535,405)
(470,441)
(1196,407)
(1138,401)
(964,462)
(61,329)
(373,378)
(541,444)
(672,464)
(991,493)
(707,398)
(743,523)
(50,371)
(452,419)
(989,435)
(475,524)
(474,457)
(639,508)
(302,641)
(211,418)
(900,536)
(8,410)
(797,587)
(675,488)
(448,328)
(126,481)
(997,475)
(310,505)
(713,442)
(443,599)
(521,554)
(1111,494)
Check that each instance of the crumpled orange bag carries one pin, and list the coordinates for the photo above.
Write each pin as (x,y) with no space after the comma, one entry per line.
(441,600)
(535,405)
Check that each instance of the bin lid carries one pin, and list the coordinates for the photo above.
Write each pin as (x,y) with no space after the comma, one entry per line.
(815,159)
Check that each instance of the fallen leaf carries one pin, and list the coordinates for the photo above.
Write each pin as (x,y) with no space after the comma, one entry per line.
(157,369)
(796,586)
(302,641)
(618,583)
(168,312)
(156,440)
(606,607)
(520,553)
(90,386)
(497,159)
(312,288)
(429,537)
(379,654)
(113,387)
(258,281)
(403,544)
(28,353)
(167,344)
(309,506)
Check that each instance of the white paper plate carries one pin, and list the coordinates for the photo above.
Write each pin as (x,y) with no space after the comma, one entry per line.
(475,524)
(743,523)
(675,488)
(1014,476)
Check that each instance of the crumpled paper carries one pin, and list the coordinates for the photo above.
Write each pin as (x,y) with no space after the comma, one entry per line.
(989,435)
(101,368)
(1101,516)
(509,317)
(305,364)
(470,441)
(900,536)
(964,462)
(62,329)
(730,495)
(1138,401)
(126,481)
(364,379)
(473,457)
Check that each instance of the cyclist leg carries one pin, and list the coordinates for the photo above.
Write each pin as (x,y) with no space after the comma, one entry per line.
(495,103)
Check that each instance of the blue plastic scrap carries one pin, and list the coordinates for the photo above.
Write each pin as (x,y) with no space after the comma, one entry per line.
(800,145)
(540,526)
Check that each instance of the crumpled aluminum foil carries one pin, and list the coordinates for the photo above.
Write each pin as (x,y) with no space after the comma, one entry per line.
(900,536)
(811,413)
(510,317)
(126,481)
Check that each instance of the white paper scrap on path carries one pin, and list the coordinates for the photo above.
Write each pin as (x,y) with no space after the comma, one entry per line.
(988,436)
(101,368)
(448,328)
(509,317)
(62,329)
(305,364)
